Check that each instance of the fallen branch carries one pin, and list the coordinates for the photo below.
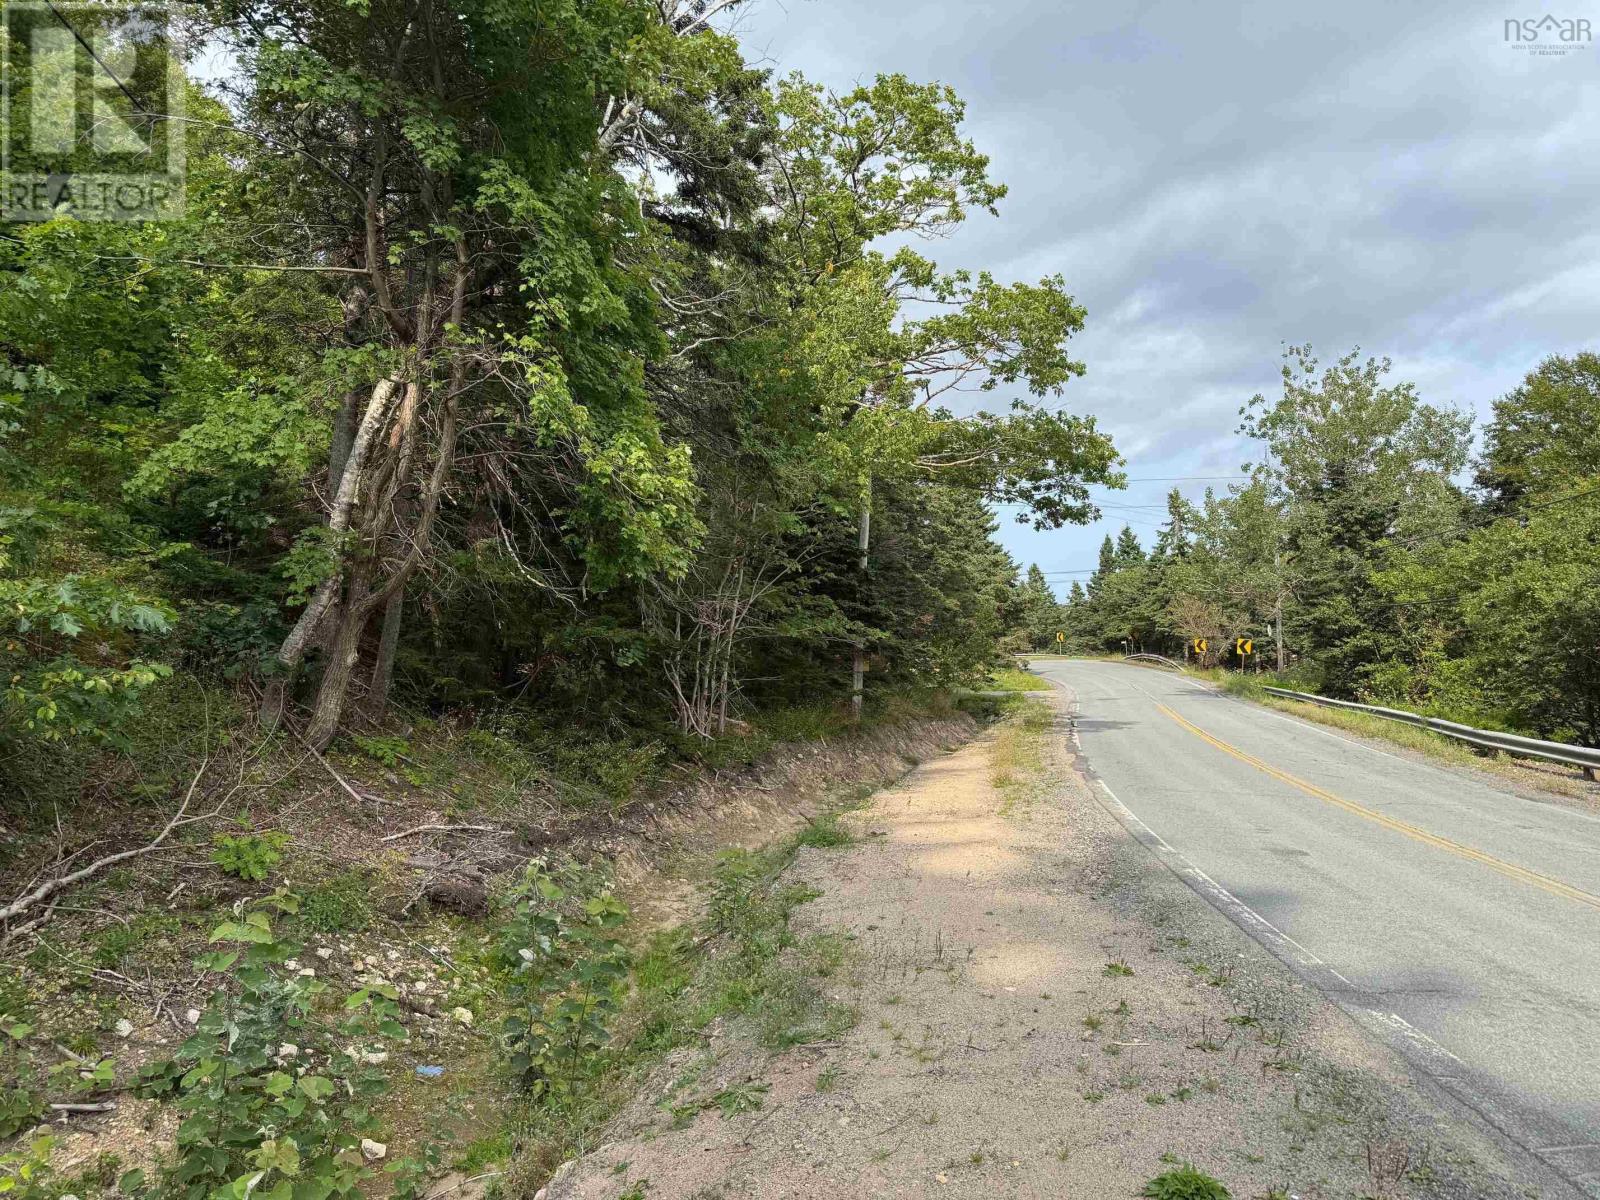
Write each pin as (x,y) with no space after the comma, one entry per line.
(395,837)
(51,886)
(104,1106)
(72,1054)
(30,926)
(327,766)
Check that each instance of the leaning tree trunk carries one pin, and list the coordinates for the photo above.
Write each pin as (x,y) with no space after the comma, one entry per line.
(360,602)
(343,656)
(293,650)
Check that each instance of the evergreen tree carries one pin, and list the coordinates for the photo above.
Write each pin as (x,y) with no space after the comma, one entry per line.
(1128,552)
(1040,611)
(1172,541)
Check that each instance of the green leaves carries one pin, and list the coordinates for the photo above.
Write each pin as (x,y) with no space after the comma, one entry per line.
(255,928)
(249,856)
(254,1124)
(315,1087)
(569,973)
(883,158)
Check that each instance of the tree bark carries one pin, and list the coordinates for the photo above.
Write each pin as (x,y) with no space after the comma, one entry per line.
(342,658)
(293,650)
(383,666)
(858,669)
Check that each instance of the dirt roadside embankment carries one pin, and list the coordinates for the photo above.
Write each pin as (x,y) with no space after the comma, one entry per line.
(1042,1011)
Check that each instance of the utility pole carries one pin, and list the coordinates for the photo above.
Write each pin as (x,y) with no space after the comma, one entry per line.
(858,672)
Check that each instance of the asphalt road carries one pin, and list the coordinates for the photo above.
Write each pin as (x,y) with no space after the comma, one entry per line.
(1459,922)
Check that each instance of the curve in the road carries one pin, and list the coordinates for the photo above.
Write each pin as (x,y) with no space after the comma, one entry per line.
(1554,886)
(1476,964)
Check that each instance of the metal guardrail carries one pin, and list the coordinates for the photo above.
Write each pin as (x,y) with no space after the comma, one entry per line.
(1492,739)
(1166,662)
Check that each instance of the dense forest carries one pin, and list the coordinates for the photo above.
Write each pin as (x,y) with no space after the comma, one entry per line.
(542,357)
(1363,563)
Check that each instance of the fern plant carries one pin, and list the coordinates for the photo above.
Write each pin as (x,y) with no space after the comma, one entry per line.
(249,855)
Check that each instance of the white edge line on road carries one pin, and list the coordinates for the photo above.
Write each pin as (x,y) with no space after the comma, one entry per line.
(1219,896)
(1245,916)
(1415,1036)
(1427,1057)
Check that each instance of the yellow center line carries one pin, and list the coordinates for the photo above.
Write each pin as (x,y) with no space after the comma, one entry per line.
(1510,870)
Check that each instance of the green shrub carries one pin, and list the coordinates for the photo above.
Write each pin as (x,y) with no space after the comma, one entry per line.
(804,722)
(259,1119)
(342,902)
(570,974)
(21,1101)
(825,833)
(387,750)
(1185,1182)
(249,855)
(25,1172)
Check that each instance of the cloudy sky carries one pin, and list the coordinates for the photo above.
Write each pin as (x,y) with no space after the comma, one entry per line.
(1217,179)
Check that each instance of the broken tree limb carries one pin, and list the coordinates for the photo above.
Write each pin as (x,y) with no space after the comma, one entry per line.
(51,886)
(395,837)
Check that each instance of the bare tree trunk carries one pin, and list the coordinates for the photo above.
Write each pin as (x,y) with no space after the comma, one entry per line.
(1277,611)
(342,659)
(858,670)
(361,602)
(293,650)
(384,517)
(383,667)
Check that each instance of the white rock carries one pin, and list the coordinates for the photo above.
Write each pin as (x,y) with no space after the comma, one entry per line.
(123,1028)
(375,1057)
(306,973)
(192,1016)
(324,953)
(288,1052)
(372,1151)
(393,954)
(462,1015)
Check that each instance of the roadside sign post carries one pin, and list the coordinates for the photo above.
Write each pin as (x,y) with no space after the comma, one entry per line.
(1244,647)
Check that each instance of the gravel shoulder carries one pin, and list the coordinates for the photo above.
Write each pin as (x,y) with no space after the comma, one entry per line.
(1043,1010)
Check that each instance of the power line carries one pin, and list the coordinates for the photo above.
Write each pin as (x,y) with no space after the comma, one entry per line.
(1182,478)
(1483,520)
(100,62)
